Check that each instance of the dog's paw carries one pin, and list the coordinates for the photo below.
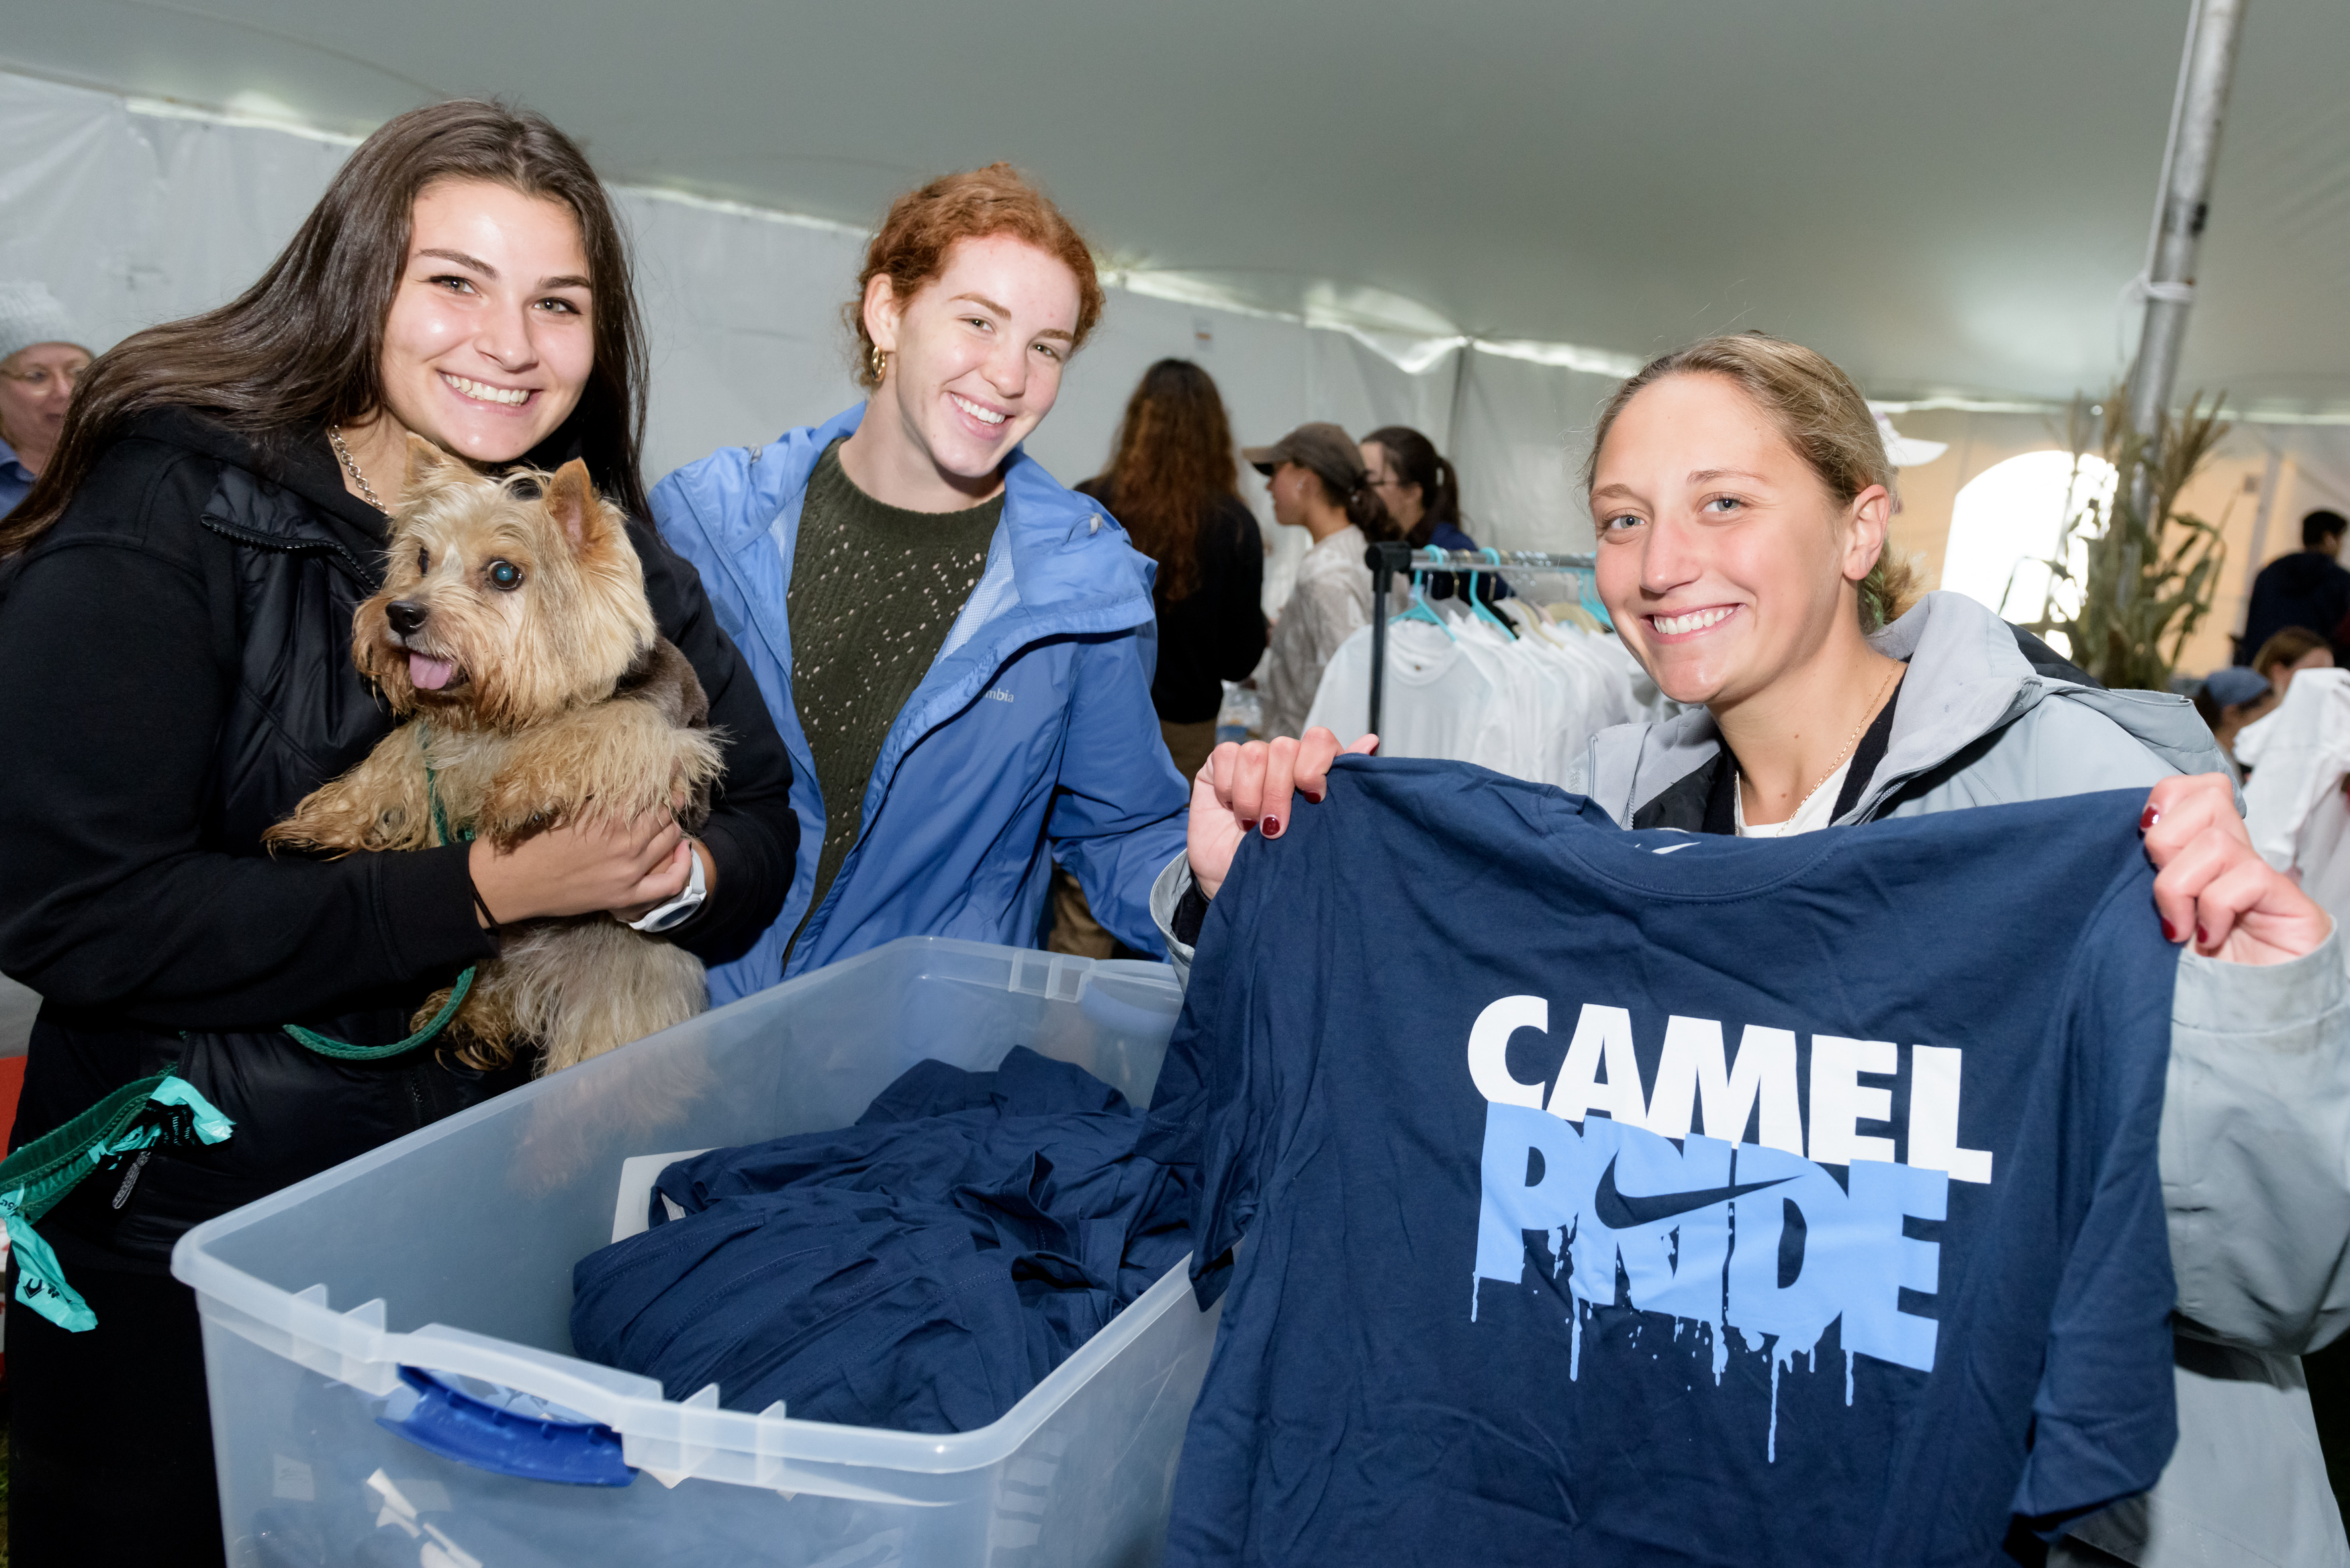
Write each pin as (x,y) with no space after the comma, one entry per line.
(336,829)
(511,813)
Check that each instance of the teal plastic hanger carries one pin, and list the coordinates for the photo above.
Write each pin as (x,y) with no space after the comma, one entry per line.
(1421,610)
(1590,581)
(1478,607)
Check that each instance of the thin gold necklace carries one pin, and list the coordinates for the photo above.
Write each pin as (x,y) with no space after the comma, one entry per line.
(1849,746)
(351,467)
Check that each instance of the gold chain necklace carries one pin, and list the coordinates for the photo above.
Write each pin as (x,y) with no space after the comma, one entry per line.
(1849,746)
(351,466)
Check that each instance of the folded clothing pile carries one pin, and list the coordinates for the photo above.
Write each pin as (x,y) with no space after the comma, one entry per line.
(922,1270)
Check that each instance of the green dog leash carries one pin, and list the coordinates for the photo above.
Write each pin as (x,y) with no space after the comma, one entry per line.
(164,1109)
(343,1050)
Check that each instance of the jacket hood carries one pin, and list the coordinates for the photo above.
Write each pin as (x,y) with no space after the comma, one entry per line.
(1967,679)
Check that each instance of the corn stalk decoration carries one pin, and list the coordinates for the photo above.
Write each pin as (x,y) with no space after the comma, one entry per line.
(2146,585)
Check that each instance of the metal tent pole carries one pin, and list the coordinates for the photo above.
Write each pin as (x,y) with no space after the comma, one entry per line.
(1382,564)
(2182,207)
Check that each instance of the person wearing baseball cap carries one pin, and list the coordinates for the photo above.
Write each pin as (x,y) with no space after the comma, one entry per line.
(40,363)
(2231,698)
(1318,482)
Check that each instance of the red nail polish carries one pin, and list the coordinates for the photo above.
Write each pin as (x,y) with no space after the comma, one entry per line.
(2148,819)
(1273,828)
(2202,938)
(1316,799)
(2169,932)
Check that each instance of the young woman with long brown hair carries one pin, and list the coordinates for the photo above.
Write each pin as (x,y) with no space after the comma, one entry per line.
(1173,483)
(176,643)
(1741,496)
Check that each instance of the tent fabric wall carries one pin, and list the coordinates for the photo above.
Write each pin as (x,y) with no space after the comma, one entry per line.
(2311,468)
(135,213)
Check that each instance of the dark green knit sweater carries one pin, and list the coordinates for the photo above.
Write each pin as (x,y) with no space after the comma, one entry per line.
(874,589)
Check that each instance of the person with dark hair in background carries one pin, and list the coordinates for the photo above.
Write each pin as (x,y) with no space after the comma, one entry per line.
(2309,587)
(1318,484)
(1171,483)
(1421,492)
(177,638)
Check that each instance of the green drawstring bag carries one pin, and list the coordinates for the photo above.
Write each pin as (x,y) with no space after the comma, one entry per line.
(165,1109)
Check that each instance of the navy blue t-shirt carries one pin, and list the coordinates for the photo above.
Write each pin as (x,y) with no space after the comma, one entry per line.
(1644,1197)
(922,1270)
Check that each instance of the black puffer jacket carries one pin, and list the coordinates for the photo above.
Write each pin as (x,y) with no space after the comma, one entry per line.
(175,674)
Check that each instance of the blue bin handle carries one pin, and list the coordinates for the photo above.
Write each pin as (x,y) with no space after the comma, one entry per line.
(455,1425)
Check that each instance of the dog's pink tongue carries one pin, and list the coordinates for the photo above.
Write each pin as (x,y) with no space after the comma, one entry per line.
(429,674)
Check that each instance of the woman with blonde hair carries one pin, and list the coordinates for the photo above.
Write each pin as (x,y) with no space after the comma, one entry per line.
(2288,653)
(1741,496)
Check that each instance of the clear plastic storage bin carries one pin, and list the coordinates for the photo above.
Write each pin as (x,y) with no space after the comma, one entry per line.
(390,1351)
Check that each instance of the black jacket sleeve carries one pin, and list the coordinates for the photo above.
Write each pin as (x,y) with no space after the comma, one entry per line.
(113,690)
(1235,553)
(752,834)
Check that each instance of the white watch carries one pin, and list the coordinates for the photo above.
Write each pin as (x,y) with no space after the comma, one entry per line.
(662,916)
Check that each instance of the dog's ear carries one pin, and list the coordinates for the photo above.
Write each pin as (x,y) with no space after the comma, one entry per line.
(572,502)
(431,469)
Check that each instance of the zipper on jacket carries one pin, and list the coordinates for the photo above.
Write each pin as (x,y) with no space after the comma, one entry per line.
(298,547)
(865,827)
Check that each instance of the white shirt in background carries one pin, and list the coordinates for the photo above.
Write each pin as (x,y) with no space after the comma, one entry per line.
(2294,803)
(1469,691)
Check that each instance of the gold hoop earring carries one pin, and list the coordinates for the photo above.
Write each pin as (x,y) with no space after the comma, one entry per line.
(877,359)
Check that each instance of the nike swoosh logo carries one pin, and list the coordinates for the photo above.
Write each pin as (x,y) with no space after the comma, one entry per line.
(1623,1211)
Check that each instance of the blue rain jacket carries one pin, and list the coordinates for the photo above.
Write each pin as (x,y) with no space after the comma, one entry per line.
(1032,739)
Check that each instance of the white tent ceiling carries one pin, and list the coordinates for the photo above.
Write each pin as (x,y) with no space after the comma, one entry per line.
(1947,198)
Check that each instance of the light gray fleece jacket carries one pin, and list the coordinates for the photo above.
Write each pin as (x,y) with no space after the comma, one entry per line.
(2255,1141)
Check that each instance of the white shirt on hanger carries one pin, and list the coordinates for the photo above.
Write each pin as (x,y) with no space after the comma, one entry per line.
(1438,702)
(1469,690)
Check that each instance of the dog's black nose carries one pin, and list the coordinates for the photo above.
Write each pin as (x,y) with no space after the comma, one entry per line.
(405,615)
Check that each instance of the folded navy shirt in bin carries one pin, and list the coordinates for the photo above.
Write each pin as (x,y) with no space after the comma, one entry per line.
(1642,1198)
(922,1270)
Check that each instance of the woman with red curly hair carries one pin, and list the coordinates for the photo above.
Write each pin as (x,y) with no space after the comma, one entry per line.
(957,649)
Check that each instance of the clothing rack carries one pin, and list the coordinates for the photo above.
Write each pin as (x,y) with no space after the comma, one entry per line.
(1390,556)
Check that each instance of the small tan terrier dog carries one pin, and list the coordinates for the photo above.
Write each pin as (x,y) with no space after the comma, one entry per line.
(513,632)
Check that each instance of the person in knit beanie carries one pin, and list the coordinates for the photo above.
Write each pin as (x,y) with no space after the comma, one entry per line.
(39,362)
